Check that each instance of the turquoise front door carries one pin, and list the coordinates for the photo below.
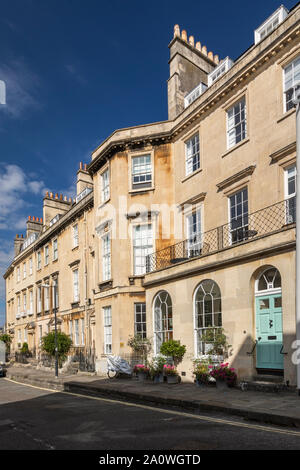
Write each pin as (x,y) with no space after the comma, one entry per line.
(269,332)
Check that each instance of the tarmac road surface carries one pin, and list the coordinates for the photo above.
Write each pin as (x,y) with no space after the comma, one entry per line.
(34,418)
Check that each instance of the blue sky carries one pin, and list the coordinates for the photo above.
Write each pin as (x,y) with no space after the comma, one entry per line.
(77,70)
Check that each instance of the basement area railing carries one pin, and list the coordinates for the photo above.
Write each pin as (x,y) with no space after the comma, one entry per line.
(247,227)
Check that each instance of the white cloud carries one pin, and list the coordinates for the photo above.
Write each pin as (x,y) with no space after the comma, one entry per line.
(21,88)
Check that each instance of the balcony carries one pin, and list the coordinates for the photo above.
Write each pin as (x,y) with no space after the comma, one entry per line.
(244,229)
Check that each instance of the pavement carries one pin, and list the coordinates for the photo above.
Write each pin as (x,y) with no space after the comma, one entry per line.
(281,408)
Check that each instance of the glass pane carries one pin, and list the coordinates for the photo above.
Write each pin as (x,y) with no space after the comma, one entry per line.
(277,302)
(264,304)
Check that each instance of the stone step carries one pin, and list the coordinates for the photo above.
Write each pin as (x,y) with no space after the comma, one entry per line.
(265,386)
(268,378)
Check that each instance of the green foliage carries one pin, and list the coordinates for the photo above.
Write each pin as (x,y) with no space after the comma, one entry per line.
(217,341)
(64,344)
(156,366)
(174,349)
(201,370)
(25,349)
(139,344)
(5,338)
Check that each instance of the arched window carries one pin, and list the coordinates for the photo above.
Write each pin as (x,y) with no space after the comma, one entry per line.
(208,313)
(269,280)
(163,320)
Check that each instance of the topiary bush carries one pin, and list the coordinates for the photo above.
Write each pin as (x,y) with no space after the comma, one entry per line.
(174,349)
(64,344)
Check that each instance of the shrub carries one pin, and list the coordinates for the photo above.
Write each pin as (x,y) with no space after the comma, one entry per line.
(25,349)
(157,365)
(64,344)
(174,349)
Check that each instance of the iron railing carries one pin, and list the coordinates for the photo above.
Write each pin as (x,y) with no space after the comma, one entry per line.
(245,228)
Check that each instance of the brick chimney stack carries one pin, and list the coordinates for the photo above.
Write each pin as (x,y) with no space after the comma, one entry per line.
(84,179)
(34,225)
(54,204)
(190,64)
(18,242)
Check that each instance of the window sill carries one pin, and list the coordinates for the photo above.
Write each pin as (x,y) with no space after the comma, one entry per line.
(286,115)
(75,248)
(235,147)
(103,203)
(142,190)
(196,172)
(55,260)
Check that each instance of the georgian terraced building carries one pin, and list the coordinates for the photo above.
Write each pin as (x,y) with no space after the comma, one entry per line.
(181,225)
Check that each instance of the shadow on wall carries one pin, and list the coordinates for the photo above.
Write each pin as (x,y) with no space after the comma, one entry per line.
(244,358)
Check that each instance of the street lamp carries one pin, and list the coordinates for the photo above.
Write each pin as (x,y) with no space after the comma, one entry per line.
(54,285)
(296,101)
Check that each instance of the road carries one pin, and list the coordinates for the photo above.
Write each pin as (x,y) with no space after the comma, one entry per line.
(33,418)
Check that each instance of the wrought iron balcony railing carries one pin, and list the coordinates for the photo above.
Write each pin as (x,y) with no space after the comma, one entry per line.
(245,228)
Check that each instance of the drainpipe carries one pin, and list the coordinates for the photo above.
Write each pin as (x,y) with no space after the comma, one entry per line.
(297,103)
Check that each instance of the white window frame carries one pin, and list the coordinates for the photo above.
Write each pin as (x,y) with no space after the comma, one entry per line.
(71,329)
(82,331)
(30,266)
(243,215)
(18,274)
(46,255)
(290,197)
(194,94)
(192,158)
(107,329)
(137,245)
(75,236)
(232,126)
(142,321)
(24,302)
(39,260)
(55,249)
(194,238)
(147,174)
(39,299)
(222,68)
(46,298)
(162,324)
(106,257)
(268,26)
(105,185)
(31,302)
(294,80)
(24,270)
(76,295)
(18,304)
(76,332)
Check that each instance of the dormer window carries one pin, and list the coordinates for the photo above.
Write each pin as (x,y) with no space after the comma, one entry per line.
(222,68)
(194,94)
(270,24)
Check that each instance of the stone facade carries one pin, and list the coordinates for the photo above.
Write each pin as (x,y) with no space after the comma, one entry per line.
(156,185)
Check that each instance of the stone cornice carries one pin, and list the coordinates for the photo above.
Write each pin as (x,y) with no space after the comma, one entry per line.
(244,69)
(283,152)
(235,178)
(193,200)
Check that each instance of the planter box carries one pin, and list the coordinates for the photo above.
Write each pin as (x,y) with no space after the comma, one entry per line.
(159,378)
(141,376)
(172,379)
(222,385)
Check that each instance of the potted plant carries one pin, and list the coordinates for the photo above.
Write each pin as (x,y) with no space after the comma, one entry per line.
(171,374)
(141,371)
(201,372)
(156,369)
(224,375)
(173,349)
(140,346)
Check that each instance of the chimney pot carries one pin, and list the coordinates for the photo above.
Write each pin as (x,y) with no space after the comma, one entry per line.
(204,50)
(29,217)
(198,45)
(47,193)
(216,59)
(17,236)
(176,31)
(211,55)
(65,198)
(56,196)
(41,220)
(33,218)
(80,166)
(192,41)
(51,195)
(85,167)
(61,197)
(184,35)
